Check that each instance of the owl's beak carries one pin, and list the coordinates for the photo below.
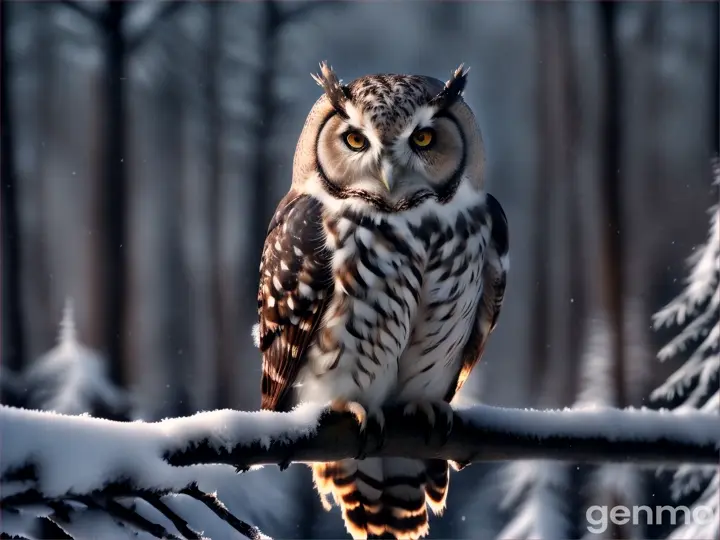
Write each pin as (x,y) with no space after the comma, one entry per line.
(387,174)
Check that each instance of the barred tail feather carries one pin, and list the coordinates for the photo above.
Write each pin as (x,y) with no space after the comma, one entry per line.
(384,496)
(438,481)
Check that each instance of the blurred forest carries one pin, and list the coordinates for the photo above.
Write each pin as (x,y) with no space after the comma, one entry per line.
(145,145)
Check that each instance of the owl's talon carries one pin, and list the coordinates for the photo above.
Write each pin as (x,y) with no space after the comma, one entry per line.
(378,420)
(352,407)
(363,417)
(440,417)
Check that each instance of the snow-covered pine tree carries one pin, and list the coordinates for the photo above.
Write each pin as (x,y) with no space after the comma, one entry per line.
(72,378)
(696,384)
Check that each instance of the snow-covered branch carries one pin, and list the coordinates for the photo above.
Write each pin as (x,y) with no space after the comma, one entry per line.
(59,462)
(80,454)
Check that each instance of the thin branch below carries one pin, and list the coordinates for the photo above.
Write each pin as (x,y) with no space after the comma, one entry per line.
(180,524)
(219,509)
(50,457)
(135,520)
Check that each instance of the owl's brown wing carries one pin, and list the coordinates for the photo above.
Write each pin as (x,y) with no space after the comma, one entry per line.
(494,282)
(295,286)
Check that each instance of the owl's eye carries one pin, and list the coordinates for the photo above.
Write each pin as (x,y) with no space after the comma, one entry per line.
(422,138)
(355,141)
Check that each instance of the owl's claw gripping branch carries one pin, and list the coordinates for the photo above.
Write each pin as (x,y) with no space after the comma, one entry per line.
(440,424)
(375,418)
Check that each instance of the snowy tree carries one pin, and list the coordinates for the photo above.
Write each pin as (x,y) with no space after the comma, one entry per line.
(696,384)
(73,379)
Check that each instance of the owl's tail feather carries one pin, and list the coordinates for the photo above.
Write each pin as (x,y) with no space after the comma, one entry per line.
(384,497)
(438,481)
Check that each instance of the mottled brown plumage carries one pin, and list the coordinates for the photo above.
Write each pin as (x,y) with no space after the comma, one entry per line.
(382,276)
(295,284)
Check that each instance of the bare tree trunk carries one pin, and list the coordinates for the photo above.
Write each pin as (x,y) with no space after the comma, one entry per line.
(37,290)
(540,330)
(175,297)
(221,320)
(612,255)
(12,335)
(113,187)
(576,304)
(557,302)
(612,232)
(265,103)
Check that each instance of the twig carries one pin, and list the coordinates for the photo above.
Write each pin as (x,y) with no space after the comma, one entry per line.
(62,511)
(214,504)
(180,524)
(61,516)
(126,515)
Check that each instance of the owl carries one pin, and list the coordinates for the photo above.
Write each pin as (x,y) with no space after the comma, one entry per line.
(382,276)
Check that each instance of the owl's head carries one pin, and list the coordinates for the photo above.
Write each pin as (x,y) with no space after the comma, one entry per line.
(391,140)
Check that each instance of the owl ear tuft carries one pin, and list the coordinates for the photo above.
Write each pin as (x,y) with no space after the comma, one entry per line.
(337,93)
(453,89)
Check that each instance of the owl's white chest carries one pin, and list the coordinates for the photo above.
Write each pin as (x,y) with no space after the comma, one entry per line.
(406,287)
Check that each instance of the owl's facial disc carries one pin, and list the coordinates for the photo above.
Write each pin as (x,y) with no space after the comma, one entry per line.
(430,149)
(390,162)
(348,156)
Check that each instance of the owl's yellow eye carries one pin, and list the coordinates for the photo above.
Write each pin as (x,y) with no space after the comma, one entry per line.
(422,138)
(356,140)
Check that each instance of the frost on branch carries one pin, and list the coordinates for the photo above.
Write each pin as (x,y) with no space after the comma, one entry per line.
(75,468)
(696,384)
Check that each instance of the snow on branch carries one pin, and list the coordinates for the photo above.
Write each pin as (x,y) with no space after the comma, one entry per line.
(78,454)
(61,462)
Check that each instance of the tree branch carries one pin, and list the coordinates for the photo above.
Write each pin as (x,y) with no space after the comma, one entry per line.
(220,510)
(309,433)
(49,458)
(485,434)
(141,36)
(180,524)
(129,516)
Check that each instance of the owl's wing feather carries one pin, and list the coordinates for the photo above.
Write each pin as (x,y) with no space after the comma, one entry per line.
(494,281)
(295,285)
